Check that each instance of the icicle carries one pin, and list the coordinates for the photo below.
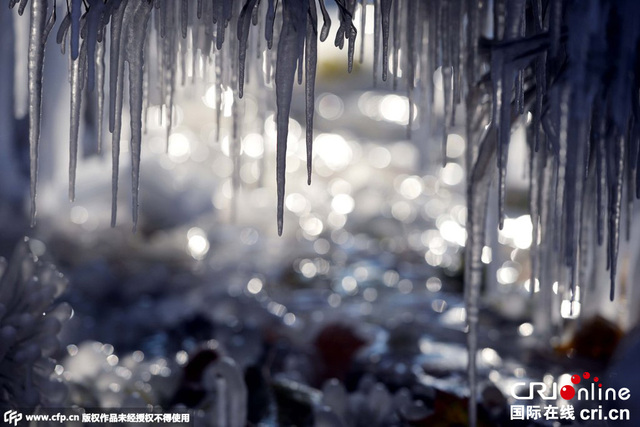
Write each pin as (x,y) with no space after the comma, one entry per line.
(221,10)
(182,43)
(164,12)
(447,91)
(544,318)
(311,57)
(502,76)
(50,23)
(77,84)
(21,8)
(195,36)
(136,33)
(184,17)
(301,43)
(100,51)
(62,30)
(92,26)
(363,24)
(455,20)
(412,10)
(385,10)
(244,24)
(219,90)
(505,86)
(555,24)
(160,80)
(478,184)
(574,197)
(293,13)
(35,67)
(168,70)
(260,24)
(255,14)
(75,27)
(114,56)
(536,168)
(376,40)
(326,21)
(352,46)
(268,28)
(346,31)
(396,43)
(540,92)
(615,202)
(519,8)
(235,157)
(116,100)
(145,85)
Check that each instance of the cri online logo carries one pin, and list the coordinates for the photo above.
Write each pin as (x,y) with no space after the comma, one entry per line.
(568,392)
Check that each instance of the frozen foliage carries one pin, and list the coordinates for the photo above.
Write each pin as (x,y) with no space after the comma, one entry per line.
(568,70)
(29,324)
(371,404)
(96,375)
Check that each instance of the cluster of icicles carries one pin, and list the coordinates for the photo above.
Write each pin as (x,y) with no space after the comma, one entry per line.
(568,70)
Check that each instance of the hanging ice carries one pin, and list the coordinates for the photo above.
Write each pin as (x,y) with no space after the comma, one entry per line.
(293,17)
(36,64)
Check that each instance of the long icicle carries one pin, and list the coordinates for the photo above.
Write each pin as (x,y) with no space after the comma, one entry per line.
(76,84)
(116,100)
(136,33)
(76,10)
(244,24)
(293,14)
(478,185)
(311,60)
(114,54)
(385,11)
(35,67)
(100,70)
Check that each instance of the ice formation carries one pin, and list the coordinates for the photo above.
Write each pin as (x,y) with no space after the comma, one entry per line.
(567,70)
(29,324)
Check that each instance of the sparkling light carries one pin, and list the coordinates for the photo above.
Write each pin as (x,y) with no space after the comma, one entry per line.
(254,286)
(342,204)
(526,329)
(253,145)
(334,150)
(330,106)
(179,147)
(411,187)
(198,245)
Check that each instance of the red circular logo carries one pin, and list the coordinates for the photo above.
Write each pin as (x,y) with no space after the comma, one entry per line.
(567,392)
